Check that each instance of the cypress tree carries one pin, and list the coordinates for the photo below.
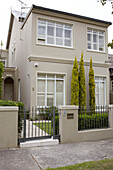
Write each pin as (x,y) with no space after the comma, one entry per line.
(91,86)
(75,84)
(82,85)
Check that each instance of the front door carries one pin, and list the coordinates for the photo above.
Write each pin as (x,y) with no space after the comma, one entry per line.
(8,89)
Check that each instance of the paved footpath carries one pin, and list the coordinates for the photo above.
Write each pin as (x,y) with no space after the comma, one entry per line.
(55,156)
(17,159)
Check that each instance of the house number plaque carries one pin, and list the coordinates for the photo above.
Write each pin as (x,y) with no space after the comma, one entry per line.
(70,116)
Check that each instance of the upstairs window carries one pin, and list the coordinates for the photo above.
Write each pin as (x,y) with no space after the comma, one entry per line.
(54,33)
(95,40)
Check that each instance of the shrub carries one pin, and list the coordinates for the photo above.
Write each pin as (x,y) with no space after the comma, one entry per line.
(47,112)
(56,125)
(92,121)
(8,103)
(11,103)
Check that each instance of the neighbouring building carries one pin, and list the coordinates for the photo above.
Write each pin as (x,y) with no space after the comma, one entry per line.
(42,46)
(110,61)
(9,87)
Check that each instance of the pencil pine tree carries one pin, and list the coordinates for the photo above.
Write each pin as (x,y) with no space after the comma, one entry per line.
(75,84)
(91,86)
(82,84)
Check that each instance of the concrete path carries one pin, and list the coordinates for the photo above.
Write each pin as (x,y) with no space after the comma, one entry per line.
(69,154)
(17,159)
(34,131)
(55,156)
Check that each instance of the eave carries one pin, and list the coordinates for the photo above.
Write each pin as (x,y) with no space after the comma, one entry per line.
(66,15)
(9,31)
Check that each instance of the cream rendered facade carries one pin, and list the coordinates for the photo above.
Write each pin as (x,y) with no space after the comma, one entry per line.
(51,59)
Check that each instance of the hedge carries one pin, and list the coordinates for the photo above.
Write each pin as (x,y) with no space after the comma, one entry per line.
(11,103)
(87,122)
(92,121)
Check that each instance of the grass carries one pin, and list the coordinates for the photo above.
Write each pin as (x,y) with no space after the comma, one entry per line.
(46,127)
(106,164)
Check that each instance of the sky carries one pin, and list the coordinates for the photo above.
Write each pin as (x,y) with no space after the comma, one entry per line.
(89,8)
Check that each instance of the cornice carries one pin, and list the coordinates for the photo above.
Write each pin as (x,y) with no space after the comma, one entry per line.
(64,61)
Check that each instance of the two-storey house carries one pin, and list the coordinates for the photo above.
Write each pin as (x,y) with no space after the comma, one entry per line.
(43,45)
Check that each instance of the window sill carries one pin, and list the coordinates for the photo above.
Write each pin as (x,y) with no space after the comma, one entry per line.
(101,52)
(55,46)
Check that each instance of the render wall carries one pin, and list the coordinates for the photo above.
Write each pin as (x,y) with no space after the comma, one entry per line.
(24,51)
(21,42)
(68,128)
(53,59)
(8,127)
(14,41)
(79,42)
(59,60)
(66,69)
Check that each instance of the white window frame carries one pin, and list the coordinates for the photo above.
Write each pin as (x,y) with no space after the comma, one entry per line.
(92,42)
(55,37)
(54,93)
(100,81)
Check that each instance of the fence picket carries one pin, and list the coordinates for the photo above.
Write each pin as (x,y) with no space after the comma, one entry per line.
(93,118)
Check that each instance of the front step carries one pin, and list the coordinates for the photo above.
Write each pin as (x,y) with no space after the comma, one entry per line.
(44,142)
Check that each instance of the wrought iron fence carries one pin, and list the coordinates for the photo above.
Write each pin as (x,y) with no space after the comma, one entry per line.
(38,123)
(93,118)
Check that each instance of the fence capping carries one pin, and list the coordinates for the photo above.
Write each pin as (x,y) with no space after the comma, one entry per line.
(8,108)
(68,107)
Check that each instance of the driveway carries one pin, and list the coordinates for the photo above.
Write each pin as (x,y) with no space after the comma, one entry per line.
(55,156)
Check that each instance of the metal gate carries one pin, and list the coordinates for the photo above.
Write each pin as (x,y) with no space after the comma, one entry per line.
(38,123)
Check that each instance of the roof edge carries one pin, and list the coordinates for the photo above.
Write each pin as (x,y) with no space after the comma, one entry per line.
(10,30)
(71,14)
(27,16)
(64,13)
